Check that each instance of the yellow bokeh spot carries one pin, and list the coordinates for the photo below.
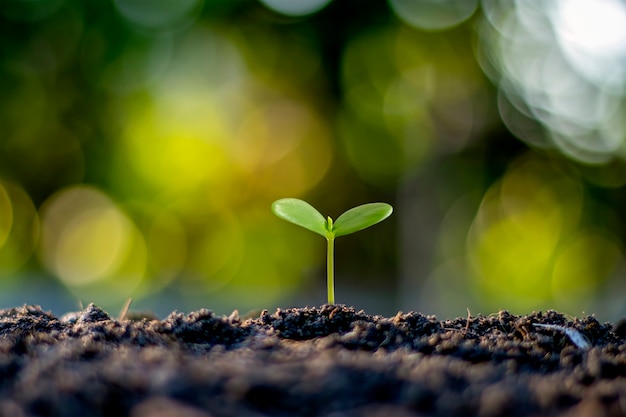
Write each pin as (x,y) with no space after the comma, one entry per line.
(91,245)
(282,148)
(534,187)
(516,239)
(19,228)
(581,264)
(6,215)
(270,133)
(516,262)
(176,155)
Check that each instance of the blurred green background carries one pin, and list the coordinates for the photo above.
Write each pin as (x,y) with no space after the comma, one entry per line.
(143,141)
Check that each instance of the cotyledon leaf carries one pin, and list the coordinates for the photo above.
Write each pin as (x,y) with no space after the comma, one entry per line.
(301,213)
(361,217)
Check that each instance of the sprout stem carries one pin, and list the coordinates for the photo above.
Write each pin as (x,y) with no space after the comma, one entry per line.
(330,283)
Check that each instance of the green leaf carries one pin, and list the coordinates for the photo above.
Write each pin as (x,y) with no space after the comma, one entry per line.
(301,213)
(361,217)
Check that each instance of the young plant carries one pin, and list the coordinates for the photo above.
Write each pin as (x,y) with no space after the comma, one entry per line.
(305,215)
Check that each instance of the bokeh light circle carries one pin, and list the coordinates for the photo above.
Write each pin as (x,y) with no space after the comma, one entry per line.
(519,230)
(593,38)
(563,65)
(159,14)
(19,228)
(88,242)
(433,14)
(6,216)
(583,262)
(296,8)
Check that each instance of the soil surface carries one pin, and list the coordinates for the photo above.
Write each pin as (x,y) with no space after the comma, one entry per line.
(328,361)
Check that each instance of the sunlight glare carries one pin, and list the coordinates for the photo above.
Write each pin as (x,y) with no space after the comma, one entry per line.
(593,37)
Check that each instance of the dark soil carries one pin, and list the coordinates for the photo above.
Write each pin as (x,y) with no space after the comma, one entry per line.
(328,361)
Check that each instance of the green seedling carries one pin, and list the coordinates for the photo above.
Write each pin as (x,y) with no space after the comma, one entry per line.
(305,215)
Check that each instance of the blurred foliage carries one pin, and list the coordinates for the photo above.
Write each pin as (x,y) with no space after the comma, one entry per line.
(141,144)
